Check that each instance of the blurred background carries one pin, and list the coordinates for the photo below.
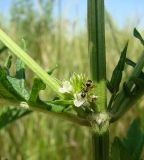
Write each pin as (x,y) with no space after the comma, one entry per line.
(55,32)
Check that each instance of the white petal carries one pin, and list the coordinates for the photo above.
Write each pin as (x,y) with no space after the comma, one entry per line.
(78,100)
(78,103)
(62,90)
(66,87)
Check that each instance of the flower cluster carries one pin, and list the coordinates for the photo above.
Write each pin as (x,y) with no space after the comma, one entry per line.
(80,90)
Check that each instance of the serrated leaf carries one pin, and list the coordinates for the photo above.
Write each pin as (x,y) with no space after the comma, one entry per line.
(134,140)
(6,88)
(14,85)
(117,73)
(118,151)
(9,115)
(138,36)
(19,86)
(37,86)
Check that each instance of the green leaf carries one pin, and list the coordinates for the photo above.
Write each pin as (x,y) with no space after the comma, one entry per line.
(19,78)
(134,140)
(14,85)
(9,115)
(117,73)
(137,88)
(130,62)
(37,86)
(139,83)
(138,36)
(20,67)
(19,87)
(109,85)
(133,64)
(6,88)
(118,151)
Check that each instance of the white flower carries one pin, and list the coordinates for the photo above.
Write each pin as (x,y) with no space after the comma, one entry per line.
(66,87)
(78,100)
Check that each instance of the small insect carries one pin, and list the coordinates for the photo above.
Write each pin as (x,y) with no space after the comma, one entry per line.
(83,94)
(87,87)
(89,83)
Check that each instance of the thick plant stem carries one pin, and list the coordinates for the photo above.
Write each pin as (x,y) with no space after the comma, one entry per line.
(100,146)
(96,40)
(96,35)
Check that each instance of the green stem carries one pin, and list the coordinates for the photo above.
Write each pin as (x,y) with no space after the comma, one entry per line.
(96,40)
(100,146)
(50,111)
(96,35)
(16,50)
